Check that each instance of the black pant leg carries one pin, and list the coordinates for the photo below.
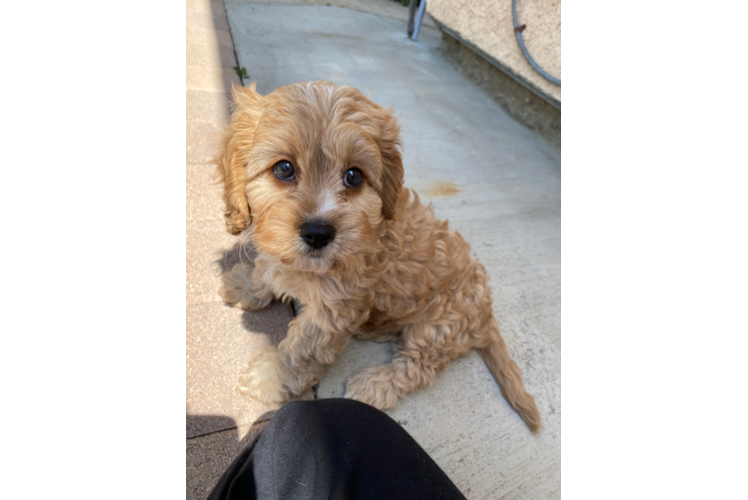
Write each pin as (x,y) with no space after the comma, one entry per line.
(238,481)
(335,449)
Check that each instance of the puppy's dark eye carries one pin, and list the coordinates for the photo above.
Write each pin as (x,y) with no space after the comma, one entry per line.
(353,178)
(283,170)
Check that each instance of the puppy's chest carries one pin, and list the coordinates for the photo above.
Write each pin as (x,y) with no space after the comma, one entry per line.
(326,291)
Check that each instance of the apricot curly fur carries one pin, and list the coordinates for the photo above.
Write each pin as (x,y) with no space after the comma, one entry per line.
(392,272)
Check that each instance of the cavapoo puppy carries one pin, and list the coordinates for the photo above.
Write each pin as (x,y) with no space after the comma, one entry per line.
(313,173)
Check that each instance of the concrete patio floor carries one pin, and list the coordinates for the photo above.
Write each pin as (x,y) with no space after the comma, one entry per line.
(496,182)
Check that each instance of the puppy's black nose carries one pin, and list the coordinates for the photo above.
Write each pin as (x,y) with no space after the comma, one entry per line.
(317,234)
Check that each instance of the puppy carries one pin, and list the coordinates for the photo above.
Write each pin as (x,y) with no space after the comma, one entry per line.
(313,174)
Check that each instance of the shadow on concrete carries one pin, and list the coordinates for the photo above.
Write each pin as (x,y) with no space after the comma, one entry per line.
(271,321)
(209,455)
(257,323)
(241,252)
(196,424)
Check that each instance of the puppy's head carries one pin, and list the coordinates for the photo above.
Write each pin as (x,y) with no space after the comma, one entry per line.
(313,168)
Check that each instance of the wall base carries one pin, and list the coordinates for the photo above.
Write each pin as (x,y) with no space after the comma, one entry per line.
(521,104)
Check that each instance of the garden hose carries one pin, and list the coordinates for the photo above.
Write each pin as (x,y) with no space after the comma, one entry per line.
(518,32)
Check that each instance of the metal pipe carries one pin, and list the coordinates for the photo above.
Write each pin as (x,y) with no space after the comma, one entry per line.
(412,8)
(419,19)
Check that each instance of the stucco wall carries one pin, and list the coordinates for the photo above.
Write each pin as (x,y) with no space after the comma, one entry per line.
(487,24)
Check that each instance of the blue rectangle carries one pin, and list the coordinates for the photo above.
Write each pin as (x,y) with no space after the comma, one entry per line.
(654,161)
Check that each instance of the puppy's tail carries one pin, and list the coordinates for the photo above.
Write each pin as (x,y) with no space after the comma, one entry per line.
(508,375)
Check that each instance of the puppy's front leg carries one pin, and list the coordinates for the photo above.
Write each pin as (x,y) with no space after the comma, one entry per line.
(300,359)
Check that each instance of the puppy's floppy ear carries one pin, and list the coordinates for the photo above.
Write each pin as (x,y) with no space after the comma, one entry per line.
(392,161)
(231,161)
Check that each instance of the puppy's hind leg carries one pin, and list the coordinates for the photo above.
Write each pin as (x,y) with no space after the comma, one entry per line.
(425,353)
(243,288)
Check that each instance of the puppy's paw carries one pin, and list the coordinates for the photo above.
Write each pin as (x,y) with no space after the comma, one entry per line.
(240,291)
(374,386)
(261,380)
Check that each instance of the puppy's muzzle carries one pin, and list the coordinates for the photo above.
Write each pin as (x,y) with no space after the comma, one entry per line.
(317,234)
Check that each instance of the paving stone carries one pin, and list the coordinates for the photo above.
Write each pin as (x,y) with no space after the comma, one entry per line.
(203,195)
(208,106)
(208,36)
(212,7)
(211,79)
(203,139)
(206,20)
(207,242)
(214,56)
